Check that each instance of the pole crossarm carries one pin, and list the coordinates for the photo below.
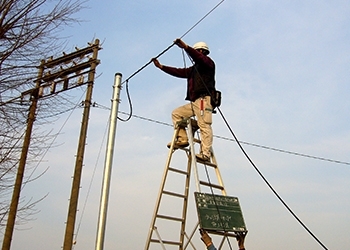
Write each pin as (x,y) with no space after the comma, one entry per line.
(64,73)
(67,58)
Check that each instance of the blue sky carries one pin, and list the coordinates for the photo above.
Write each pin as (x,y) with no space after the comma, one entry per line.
(283,69)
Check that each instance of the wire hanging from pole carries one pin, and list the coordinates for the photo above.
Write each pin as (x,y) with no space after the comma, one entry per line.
(130,104)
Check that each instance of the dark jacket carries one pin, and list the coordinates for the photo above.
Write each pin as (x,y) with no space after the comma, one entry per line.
(200,76)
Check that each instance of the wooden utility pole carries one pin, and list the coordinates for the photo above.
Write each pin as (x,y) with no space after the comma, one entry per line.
(55,76)
(21,166)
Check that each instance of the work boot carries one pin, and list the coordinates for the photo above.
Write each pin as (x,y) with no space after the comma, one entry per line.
(203,157)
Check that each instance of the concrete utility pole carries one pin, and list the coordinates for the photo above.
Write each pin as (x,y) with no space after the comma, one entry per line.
(55,76)
(101,226)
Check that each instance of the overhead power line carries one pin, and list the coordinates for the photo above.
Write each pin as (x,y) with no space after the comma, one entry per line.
(169,47)
(286,151)
(233,140)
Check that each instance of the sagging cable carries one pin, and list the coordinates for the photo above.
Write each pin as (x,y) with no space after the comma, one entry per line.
(169,47)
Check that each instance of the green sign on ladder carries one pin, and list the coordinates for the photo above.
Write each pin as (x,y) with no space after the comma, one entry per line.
(219,213)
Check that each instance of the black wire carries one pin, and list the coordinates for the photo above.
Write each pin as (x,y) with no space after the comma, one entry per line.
(256,168)
(130,104)
(189,30)
(202,19)
(144,66)
(268,184)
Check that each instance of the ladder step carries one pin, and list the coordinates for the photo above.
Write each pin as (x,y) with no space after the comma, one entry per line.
(207,163)
(169,217)
(211,185)
(168,242)
(178,171)
(174,194)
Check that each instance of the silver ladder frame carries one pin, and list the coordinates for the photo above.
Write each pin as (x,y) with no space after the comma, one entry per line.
(191,126)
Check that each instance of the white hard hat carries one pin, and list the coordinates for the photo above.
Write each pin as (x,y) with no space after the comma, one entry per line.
(201,45)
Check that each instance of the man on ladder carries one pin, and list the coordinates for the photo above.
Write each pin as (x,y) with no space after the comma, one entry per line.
(200,86)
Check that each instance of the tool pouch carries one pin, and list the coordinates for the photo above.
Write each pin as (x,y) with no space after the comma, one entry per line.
(215,99)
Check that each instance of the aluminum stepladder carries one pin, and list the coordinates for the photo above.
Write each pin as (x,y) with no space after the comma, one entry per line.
(162,223)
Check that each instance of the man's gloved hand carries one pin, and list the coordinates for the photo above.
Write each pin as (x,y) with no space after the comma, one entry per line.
(205,237)
(180,43)
(157,63)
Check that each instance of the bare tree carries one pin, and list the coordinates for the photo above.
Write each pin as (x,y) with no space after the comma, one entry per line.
(29,32)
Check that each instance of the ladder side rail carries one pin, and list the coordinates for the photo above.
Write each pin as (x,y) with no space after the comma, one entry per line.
(193,154)
(217,172)
(165,173)
(185,202)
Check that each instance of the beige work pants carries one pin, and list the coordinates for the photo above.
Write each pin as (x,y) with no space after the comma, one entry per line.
(204,120)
